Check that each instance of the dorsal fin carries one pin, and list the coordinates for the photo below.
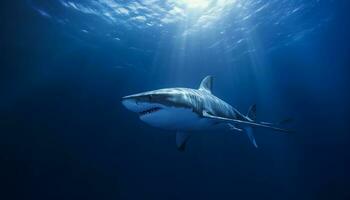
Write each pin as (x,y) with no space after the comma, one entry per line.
(207,84)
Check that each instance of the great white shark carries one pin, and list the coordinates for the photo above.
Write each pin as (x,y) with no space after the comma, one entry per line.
(185,110)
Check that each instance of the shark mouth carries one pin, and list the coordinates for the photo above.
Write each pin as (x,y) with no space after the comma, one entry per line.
(149,111)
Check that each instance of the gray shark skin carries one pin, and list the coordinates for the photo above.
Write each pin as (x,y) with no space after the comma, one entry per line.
(185,110)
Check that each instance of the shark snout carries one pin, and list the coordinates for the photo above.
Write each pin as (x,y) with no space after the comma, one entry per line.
(132,103)
(139,102)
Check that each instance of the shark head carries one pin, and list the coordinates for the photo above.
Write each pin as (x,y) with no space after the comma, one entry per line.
(164,108)
(170,108)
(146,103)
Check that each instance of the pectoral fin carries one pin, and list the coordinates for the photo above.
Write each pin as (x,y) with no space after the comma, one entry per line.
(249,131)
(181,140)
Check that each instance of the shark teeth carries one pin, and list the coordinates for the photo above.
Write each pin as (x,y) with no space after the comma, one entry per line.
(149,111)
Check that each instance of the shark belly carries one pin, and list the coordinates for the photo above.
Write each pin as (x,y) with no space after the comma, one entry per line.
(172,118)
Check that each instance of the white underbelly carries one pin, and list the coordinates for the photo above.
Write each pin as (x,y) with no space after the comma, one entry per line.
(177,119)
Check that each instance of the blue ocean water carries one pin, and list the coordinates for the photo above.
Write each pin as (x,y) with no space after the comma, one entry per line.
(66,64)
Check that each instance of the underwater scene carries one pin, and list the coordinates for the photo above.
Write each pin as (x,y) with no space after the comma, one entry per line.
(175,99)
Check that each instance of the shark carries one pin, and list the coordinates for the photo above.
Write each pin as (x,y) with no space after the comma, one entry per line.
(184,110)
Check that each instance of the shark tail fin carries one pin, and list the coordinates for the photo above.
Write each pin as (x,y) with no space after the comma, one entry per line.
(282,122)
(249,132)
(251,114)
